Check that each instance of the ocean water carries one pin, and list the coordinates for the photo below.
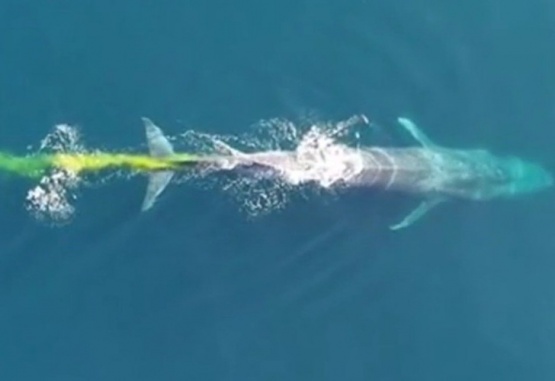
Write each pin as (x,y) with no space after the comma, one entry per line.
(320,290)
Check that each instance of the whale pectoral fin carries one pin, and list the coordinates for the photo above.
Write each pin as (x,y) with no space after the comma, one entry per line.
(423,208)
(416,132)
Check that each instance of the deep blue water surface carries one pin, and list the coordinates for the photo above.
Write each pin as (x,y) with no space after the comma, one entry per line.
(321,291)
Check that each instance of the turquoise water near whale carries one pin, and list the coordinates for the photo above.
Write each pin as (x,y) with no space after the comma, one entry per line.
(321,290)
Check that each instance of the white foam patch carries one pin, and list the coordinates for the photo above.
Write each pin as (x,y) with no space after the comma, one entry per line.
(319,158)
(63,138)
(51,200)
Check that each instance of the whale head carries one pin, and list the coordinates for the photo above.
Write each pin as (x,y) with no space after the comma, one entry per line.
(527,177)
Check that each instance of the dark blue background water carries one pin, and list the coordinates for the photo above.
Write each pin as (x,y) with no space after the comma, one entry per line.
(321,291)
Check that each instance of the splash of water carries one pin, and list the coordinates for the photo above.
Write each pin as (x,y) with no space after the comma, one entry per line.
(321,159)
(51,200)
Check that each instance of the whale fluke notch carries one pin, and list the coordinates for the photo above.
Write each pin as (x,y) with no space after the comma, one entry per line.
(158,146)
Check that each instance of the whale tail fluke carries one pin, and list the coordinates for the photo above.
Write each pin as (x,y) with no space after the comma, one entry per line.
(158,146)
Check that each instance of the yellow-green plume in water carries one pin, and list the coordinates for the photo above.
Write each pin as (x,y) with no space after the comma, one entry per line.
(32,166)
(35,166)
(94,162)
